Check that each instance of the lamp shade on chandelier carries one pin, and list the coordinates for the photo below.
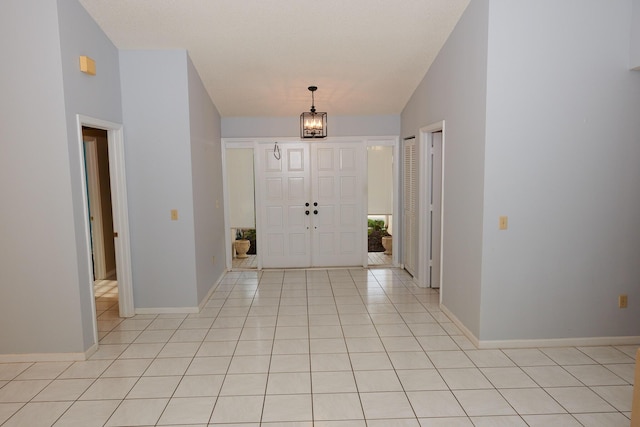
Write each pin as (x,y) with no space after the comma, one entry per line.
(313,124)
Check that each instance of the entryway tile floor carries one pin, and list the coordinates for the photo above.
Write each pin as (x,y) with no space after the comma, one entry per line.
(324,348)
(375,259)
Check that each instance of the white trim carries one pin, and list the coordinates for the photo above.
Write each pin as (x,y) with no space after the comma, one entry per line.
(544,342)
(211,291)
(559,342)
(228,261)
(424,236)
(48,357)
(467,333)
(256,142)
(393,142)
(235,143)
(120,214)
(183,310)
(121,222)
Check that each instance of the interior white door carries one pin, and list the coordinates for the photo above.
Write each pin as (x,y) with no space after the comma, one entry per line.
(410,205)
(285,188)
(95,208)
(436,208)
(311,204)
(337,194)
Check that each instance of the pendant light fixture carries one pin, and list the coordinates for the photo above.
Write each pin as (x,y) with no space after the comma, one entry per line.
(313,124)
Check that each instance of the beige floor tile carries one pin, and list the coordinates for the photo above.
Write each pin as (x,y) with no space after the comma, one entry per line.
(483,403)
(185,410)
(21,391)
(282,408)
(238,409)
(63,390)
(333,382)
(289,383)
(435,404)
(37,414)
(199,386)
(337,406)
(244,384)
(154,387)
(137,412)
(93,413)
(531,401)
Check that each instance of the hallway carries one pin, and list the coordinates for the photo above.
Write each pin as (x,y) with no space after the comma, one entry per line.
(324,348)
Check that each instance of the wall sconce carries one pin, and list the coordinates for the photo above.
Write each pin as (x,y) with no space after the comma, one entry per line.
(312,124)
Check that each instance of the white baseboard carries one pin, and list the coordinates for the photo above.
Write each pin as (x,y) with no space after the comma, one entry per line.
(467,333)
(548,342)
(559,342)
(48,357)
(182,310)
(211,291)
(90,351)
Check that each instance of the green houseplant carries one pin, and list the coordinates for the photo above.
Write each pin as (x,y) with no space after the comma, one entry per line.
(376,231)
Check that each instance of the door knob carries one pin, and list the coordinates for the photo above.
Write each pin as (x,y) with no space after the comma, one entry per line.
(306,204)
(315,203)
(306,212)
(315,212)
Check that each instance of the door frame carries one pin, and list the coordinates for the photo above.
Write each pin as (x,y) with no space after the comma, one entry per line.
(115,141)
(393,142)
(231,143)
(426,137)
(255,143)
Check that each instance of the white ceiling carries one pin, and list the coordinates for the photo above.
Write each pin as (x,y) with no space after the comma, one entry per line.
(257,57)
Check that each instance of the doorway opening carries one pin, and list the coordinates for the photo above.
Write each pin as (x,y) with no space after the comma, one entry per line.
(380,203)
(305,203)
(103,255)
(240,190)
(115,175)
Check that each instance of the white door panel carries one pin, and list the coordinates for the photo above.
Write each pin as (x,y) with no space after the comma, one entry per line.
(337,184)
(284,186)
(410,206)
(436,208)
(329,174)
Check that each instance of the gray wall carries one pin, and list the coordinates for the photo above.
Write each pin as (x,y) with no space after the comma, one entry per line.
(557,153)
(43,266)
(454,89)
(561,159)
(38,266)
(95,96)
(256,127)
(206,162)
(155,106)
(172,140)
(634,52)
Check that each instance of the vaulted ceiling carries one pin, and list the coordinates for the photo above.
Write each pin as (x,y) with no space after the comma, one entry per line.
(257,57)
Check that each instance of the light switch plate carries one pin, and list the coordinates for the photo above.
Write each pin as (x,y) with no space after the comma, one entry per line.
(504,222)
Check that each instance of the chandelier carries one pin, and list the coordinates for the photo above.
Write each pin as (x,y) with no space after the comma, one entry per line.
(313,124)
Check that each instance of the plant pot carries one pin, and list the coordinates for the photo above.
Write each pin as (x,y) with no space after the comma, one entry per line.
(387,243)
(241,246)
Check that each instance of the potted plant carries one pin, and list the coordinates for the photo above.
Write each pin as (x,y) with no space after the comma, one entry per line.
(241,244)
(387,243)
(378,235)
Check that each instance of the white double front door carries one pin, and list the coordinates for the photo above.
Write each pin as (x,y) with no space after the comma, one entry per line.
(310,197)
